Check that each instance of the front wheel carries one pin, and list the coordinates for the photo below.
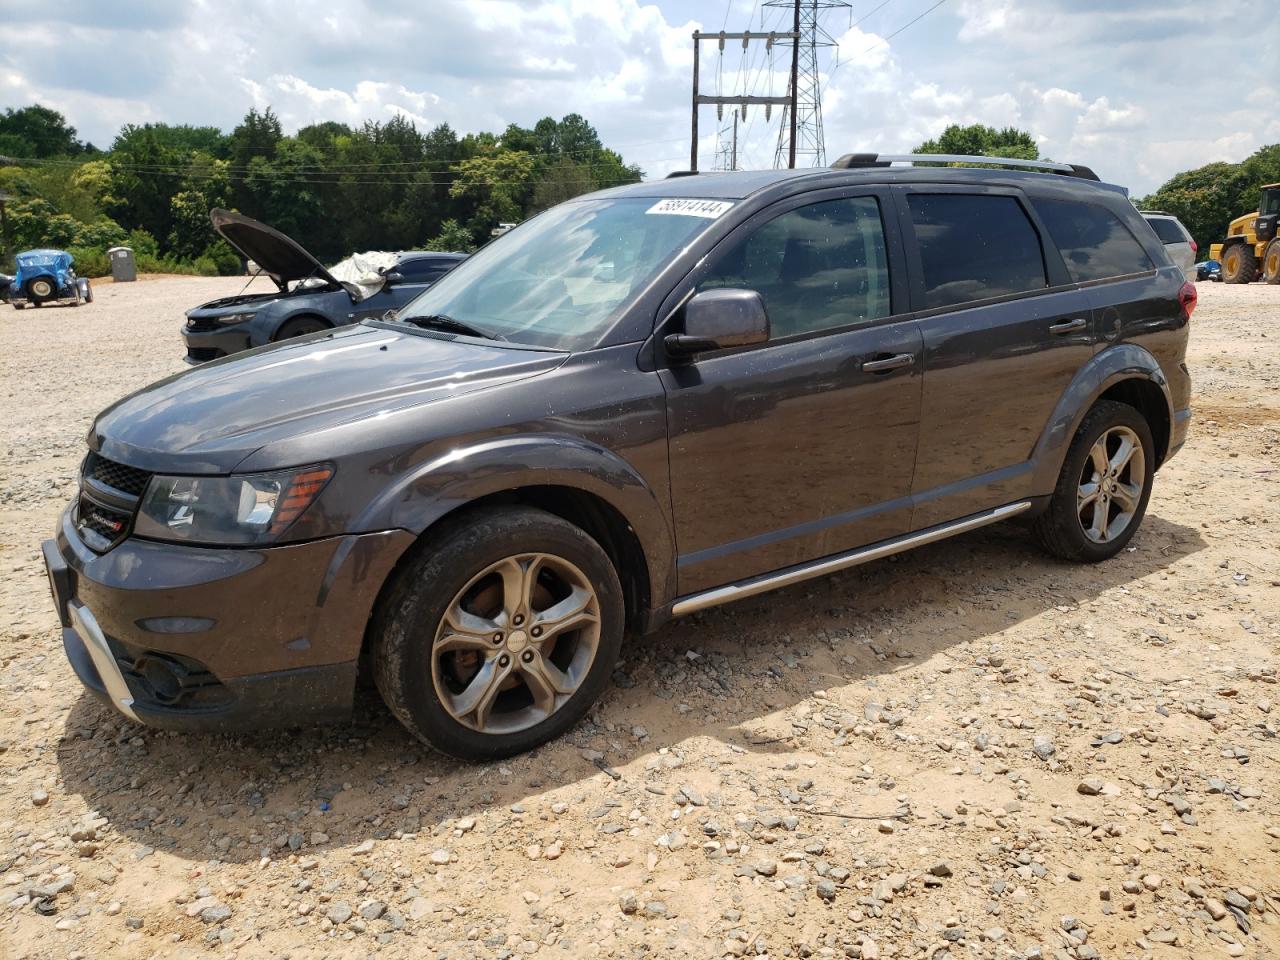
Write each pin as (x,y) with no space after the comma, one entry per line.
(499,634)
(300,326)
(1271,262)
(1239,264)
(1102,492)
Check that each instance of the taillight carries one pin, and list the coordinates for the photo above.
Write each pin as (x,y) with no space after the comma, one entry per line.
(1187,297)
(1194,248)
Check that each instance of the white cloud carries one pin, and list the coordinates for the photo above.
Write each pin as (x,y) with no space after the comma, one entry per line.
(1099,83)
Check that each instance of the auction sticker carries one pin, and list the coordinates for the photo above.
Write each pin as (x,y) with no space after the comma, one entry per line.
(708,209)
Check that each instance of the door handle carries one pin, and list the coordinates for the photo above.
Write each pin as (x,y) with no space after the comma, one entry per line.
(885,364)
(1069,326)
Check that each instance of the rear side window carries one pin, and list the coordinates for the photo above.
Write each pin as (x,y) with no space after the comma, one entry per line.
(975,247)
(817,267)
(422,270)
(1094,242)
(1167,230)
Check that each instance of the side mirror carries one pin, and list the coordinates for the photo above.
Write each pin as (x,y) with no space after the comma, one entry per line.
(393,277)
(719,319)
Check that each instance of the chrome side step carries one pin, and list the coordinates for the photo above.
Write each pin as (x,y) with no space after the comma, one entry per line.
(842,561)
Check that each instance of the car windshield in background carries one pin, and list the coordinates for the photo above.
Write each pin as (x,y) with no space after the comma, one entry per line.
(559,280)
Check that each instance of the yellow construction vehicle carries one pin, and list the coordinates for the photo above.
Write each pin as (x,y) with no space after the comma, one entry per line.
(1252,248)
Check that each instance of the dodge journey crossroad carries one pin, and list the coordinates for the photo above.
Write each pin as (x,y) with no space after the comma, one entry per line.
(638,404)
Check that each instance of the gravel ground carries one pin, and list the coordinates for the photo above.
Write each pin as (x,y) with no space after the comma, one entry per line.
(966,751)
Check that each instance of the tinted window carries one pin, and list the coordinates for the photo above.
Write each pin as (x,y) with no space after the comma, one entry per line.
(975,247)
(1093,241)
(423,270)
(1167,230)
(817,267)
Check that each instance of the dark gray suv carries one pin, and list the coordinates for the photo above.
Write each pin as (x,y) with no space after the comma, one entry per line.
(641,403)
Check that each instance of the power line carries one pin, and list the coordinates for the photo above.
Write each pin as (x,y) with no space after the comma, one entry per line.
(303,178)
(904,26)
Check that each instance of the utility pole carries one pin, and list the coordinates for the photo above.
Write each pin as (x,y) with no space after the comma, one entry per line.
(741,102)
(733,160)
(801,137)
(795,90)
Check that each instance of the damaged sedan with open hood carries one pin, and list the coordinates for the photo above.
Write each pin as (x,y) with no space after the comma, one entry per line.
(308,297)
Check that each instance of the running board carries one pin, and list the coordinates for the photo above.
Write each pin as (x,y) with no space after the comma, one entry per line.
(819,568)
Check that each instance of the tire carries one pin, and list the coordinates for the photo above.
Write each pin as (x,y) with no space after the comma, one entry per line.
(433,692)
(1271,262)
(300,326)
(1239,265)
(88,292)
(40,289)
(1061,529)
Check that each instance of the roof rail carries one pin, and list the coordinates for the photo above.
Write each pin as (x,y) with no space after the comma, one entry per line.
(681,173)
(851,161)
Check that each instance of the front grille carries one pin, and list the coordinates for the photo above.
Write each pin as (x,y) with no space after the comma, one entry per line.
(201,324)
(105,511)
(204,354)
(117,476)
(106,523)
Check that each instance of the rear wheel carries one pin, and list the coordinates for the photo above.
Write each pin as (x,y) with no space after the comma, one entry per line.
(501,635)
(1239,265)
(299,326)
(1102,492)
(1271,262)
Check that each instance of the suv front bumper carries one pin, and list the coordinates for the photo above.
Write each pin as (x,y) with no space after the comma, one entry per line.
(201,638)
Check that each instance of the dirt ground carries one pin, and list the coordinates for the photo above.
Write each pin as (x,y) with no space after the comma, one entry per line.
(966,751)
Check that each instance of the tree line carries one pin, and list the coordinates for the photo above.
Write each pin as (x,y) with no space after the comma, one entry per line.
(333,187)
(340,189)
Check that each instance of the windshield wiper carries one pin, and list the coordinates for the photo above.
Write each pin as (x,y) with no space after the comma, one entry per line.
(439,321)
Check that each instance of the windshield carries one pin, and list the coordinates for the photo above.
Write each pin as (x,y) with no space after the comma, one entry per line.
(1270,202)
(560,280)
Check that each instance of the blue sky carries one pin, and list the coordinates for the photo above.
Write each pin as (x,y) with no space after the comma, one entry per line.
(1123,86)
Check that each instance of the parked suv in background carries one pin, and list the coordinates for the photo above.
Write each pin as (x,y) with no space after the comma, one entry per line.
(1176,239)
(317,300)
(639,404)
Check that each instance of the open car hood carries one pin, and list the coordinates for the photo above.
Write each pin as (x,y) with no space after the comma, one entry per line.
(277,255)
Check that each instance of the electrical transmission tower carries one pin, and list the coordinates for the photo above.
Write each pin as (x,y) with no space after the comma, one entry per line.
(800,137)
(727,146)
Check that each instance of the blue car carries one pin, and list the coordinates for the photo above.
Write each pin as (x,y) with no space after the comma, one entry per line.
(46,276)
(1209,270)
(308,297)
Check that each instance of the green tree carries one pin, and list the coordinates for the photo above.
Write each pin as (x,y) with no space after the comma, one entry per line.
(562,180)
(453,237)
(983,141)
(37,131)
(495,185)
(144,177)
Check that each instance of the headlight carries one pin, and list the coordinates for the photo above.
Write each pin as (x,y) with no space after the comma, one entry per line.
(231,318)
(253,508)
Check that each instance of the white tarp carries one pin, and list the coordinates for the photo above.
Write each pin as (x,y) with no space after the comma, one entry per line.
(362,273)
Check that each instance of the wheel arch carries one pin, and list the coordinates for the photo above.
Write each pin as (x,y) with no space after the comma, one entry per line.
(1126,373)
(568,477)
(303,314)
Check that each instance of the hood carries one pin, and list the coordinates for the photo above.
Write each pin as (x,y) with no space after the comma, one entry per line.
(279,256)
(210,418)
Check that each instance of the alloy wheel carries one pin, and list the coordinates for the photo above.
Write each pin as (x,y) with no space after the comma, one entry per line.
(515,643)
(1111,483)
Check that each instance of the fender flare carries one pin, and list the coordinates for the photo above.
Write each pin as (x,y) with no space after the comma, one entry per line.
(436,488)
(1115,364)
